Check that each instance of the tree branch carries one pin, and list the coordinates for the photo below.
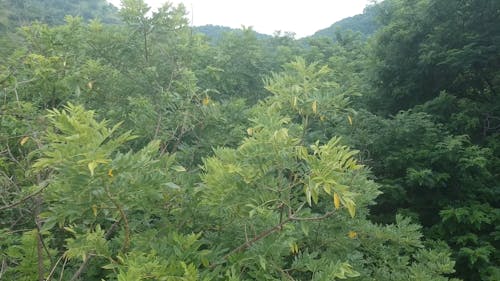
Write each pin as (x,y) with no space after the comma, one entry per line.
(24,199)
(262,235)
(276,228)
(54,268)
(123,216)
(82,268)
(39,241)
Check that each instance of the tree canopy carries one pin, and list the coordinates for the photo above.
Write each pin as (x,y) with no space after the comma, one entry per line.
(133,147)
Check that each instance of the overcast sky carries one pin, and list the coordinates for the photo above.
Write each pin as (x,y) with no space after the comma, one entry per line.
(303,17)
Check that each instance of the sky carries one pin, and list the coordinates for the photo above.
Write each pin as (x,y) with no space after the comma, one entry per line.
(303,17)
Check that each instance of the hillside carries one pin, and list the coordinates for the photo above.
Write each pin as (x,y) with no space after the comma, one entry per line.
(364,23)
(215,32)
(23,12)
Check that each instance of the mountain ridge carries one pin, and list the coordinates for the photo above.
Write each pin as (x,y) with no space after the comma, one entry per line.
(364,23)
(22,12)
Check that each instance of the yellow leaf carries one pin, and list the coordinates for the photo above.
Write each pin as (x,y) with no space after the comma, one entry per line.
(294,103)
(250,131)
(69,229)
(205,261)
(352,234)
(351,207)
(24,140)
(206,100)
(349,119)
(294,248)
(90,85)
(336,200)
(315,107)
(110,173)
(322,118)
(92,165)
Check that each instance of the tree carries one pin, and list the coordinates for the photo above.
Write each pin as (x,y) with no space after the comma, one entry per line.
(231,176)
(271,187)
(238,67)
(436,178)
(92,202)
(439,59)
(259,211)
(427,47)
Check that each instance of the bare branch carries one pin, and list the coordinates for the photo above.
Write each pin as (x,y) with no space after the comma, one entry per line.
(54,268)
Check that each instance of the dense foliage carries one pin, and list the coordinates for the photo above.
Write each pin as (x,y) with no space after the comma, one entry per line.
(144,150)
(439,61)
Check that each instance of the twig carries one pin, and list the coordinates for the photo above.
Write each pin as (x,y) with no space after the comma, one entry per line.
(276,228)
(123,216)
(62,270)
(13,158)
(270,231)
(54,268)
(158,124)
(262,235)
(40,237)
(39,243)
(82,268)
(287,275)
(24,199)
(3,269)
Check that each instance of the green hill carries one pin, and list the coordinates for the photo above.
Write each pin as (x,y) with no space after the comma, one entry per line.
(23,12)
(215,32)
(364,23)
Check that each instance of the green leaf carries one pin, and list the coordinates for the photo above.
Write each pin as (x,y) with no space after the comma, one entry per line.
(172,185)
(262,262)
(178,168)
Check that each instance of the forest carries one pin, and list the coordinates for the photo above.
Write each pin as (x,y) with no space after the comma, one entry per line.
(134,146)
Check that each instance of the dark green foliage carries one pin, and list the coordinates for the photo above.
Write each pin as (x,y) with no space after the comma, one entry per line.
(437,161)
(426,47)
(441,180)
(25,12)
